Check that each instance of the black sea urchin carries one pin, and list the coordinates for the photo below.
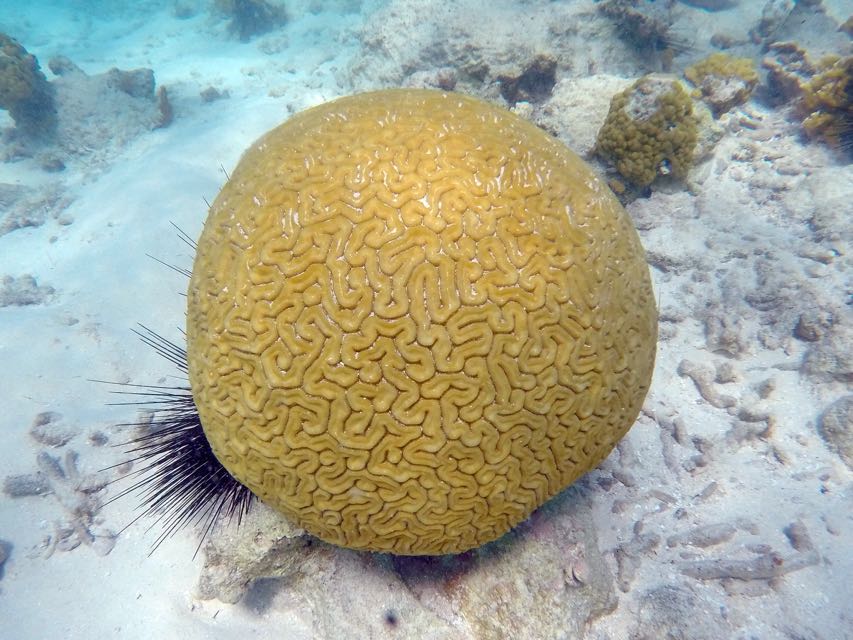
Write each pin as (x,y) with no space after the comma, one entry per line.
(178,478)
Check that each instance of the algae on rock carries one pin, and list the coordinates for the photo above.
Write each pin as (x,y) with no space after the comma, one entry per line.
(723,81)
(821,92)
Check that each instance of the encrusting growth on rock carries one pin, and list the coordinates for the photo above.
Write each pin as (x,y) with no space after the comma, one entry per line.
(723,81)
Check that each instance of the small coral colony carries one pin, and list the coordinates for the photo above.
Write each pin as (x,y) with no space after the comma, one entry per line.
(663,124)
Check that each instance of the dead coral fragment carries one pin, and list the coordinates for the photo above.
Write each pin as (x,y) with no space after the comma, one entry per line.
(22,291)
(47,429)
(705,536)
(764,566)
(250,18)
(650,130)
(24,91)
(723,81)
(77,493)
(26,485)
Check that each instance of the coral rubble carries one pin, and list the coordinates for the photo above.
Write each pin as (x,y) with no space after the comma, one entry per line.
(773,16)
(22,291)
(76,492)
(24,91)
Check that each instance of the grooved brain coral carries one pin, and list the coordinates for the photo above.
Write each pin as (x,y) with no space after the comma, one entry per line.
(413,318)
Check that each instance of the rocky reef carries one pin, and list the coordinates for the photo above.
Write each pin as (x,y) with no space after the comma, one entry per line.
(722,81)
(820,93)
(547,574)
(24,91)
(74,114)
(249,18)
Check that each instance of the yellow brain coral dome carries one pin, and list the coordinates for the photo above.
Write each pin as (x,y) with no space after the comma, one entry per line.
(413,318)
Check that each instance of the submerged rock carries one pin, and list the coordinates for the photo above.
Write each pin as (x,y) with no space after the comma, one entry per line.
(101,110)
(75,114)
(546,579)
(23,291)
(836,428)
(24,91)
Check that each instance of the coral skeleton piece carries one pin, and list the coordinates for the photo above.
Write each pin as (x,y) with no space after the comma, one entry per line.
(413,318)
(24,91)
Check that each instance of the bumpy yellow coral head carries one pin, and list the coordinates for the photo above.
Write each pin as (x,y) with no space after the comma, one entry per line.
(650,130)
(413,318)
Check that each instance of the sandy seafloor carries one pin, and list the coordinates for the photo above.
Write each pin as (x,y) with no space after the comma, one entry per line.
(727,512)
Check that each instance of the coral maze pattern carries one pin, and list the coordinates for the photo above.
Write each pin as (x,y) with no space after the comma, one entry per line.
(413,318)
